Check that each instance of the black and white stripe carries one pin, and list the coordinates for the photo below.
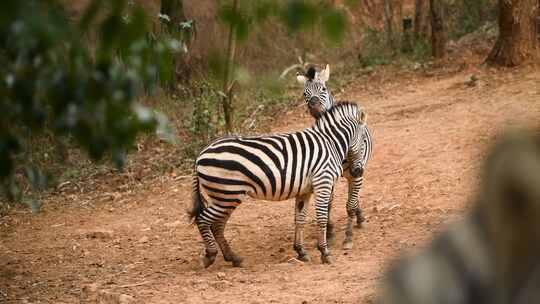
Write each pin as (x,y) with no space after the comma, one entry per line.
(275,168)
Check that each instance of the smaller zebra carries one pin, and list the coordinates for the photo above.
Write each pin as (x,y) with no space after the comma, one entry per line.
(276,168)
(319,99)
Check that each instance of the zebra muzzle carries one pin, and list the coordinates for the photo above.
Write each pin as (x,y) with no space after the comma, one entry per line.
(315,108)
(356,171)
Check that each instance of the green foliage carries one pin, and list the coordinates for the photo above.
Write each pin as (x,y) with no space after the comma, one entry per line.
(204,120)
(50,80)
(334,25)
(297,15)
(466,16)
(241,17)
(421,50)
(236,20)
(374,49)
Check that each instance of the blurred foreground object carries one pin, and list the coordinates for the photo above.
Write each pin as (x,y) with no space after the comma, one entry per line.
(493,255)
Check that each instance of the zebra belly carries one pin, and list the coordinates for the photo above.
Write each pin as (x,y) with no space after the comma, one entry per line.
(288,193)
(255,183)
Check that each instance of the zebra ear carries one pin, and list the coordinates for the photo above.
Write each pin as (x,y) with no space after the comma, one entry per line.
(324,75)
(363,117)
(301,78)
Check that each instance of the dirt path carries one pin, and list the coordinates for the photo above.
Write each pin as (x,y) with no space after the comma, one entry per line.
(430,134)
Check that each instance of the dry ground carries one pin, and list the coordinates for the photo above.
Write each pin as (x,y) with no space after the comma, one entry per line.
(430,134)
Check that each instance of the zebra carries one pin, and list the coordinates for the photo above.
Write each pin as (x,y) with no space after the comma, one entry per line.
(319,99)
(275,168)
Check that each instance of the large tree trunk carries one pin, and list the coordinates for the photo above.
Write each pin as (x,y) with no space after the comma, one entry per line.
(438,35)
(517,42)
(418,6)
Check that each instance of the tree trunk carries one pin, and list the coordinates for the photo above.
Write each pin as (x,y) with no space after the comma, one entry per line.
(438,35)
(388,22)
(518,26)
(227,83)
(418,8)
(406,41)
(175,10)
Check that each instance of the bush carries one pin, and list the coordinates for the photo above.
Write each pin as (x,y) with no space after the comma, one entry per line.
(53,84)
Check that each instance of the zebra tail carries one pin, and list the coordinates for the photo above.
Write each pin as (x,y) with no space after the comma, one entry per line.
(197,204)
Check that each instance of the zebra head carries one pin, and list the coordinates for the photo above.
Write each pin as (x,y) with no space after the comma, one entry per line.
(356,154)
(316,94)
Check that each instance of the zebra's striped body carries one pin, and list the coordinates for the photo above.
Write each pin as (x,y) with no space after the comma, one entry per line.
(319,99)
(276,168)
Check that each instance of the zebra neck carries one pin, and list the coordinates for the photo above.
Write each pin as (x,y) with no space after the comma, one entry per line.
(331,100)
(338,135)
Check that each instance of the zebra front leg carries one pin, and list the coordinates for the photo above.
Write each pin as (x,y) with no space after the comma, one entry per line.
(355,184)
(218,229)
(323,192)
(300,210)
(347,242)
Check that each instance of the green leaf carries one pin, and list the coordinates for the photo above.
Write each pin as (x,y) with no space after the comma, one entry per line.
(235,20)
(299,14)
(334,25)
(352,3)
(264,9)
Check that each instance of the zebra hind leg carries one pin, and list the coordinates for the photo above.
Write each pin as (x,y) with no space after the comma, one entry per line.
(352,209)
(359,217)
(211,249)
(330,234)
(218,230)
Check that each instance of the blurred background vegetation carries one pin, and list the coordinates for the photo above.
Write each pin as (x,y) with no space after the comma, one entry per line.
(86,77)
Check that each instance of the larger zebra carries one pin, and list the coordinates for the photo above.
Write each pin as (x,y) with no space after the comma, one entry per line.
(319,99)
(276,168)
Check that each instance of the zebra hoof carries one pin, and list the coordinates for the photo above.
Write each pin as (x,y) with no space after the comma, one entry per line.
(327,259)
(347,245)
(207,261)
(304,258)
(237,262)
(359,219)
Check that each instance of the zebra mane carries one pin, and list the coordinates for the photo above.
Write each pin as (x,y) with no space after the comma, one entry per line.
(332,111)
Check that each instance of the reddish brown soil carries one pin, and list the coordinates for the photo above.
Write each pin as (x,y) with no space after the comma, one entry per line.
(430,134)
